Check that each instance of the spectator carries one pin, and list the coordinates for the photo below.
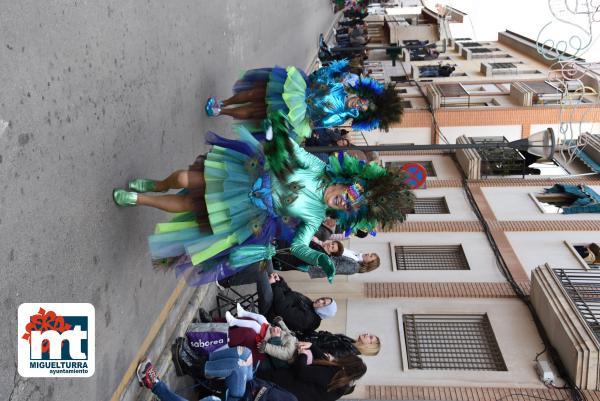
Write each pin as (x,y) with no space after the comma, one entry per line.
(372,258)
(232,364)
(318,376)
(257,273)
(327,136)
(265,333)
(260,273)
(340,345)
(347,266)
(285,261)
(352,22)
(300,313)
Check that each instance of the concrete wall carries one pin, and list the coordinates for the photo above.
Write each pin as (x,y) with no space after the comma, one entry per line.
(509,318)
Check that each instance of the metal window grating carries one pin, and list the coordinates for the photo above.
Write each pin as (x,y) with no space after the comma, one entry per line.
(502,65)
(431,257)
(480,50)
(451,342)
(427,164)
(471,44)
(433,205)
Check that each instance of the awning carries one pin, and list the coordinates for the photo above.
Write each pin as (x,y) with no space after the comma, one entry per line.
(587,200)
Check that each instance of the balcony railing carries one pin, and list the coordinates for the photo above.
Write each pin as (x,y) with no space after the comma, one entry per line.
(583,288)
(499,161)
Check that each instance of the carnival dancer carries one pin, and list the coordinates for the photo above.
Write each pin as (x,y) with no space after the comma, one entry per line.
(243,195)
(327,98)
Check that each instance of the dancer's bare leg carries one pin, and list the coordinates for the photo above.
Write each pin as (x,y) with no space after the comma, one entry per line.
(181,179)
(254,95)
(168,203)
(251,111)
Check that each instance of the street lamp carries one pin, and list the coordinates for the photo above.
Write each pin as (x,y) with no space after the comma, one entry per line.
(540,144)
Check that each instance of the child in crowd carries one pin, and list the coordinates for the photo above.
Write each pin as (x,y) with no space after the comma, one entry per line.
(274,340)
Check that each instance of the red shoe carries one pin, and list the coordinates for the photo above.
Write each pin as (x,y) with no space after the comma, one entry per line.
(146,374)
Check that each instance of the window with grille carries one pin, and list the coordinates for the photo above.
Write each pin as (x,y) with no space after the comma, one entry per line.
(480,50)
(406,104)
(431,205)
(430,257)
(451,342)
(428,165)
(470,44)
(502,65)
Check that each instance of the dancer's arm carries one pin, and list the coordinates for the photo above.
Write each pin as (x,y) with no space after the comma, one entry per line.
(307,160)
(301,250)
(336,119)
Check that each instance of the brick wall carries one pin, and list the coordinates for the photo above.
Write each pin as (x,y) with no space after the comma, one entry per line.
(434,226)
(440,290)
(524,116)
(435,393)
(546,225)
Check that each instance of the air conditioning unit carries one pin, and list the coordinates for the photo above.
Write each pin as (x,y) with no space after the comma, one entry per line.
(545,373)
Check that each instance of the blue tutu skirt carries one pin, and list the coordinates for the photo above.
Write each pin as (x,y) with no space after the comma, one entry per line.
(285,92)
(233,212)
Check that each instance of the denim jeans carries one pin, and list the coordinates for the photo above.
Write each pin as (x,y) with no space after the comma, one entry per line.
(164,393)
(225,364)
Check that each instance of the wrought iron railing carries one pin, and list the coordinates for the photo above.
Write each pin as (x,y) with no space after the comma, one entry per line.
(499,161)
(583,288)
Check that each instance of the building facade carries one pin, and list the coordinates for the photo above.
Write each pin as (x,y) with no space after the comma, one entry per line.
(488,276)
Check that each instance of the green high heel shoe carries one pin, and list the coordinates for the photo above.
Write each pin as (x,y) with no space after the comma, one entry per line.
(142,185)
(124,198)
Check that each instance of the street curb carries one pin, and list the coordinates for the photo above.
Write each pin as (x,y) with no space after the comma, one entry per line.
(172,322)
(163,363)
(314,63)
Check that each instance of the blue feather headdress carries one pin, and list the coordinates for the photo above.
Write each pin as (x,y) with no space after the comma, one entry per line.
(385,106)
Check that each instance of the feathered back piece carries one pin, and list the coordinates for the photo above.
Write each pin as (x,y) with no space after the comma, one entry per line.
(279,150)
(385,194)
(385,105)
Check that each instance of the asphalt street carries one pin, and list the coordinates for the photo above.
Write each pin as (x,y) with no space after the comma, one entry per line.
(93,93)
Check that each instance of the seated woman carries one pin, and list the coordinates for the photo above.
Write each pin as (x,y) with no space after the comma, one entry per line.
(340,345)
(318,376)
(276,341)
(234,365)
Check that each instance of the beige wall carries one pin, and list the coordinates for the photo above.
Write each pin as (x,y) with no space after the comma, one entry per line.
(459,207)
(510,320)
(515,203)
(569,131)
(443,165)
(418,136)
(511,132)
(475,246)
(536,248)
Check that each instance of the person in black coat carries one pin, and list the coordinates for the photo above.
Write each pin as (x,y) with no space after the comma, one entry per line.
(300,313)
(317,376)
(340,345)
